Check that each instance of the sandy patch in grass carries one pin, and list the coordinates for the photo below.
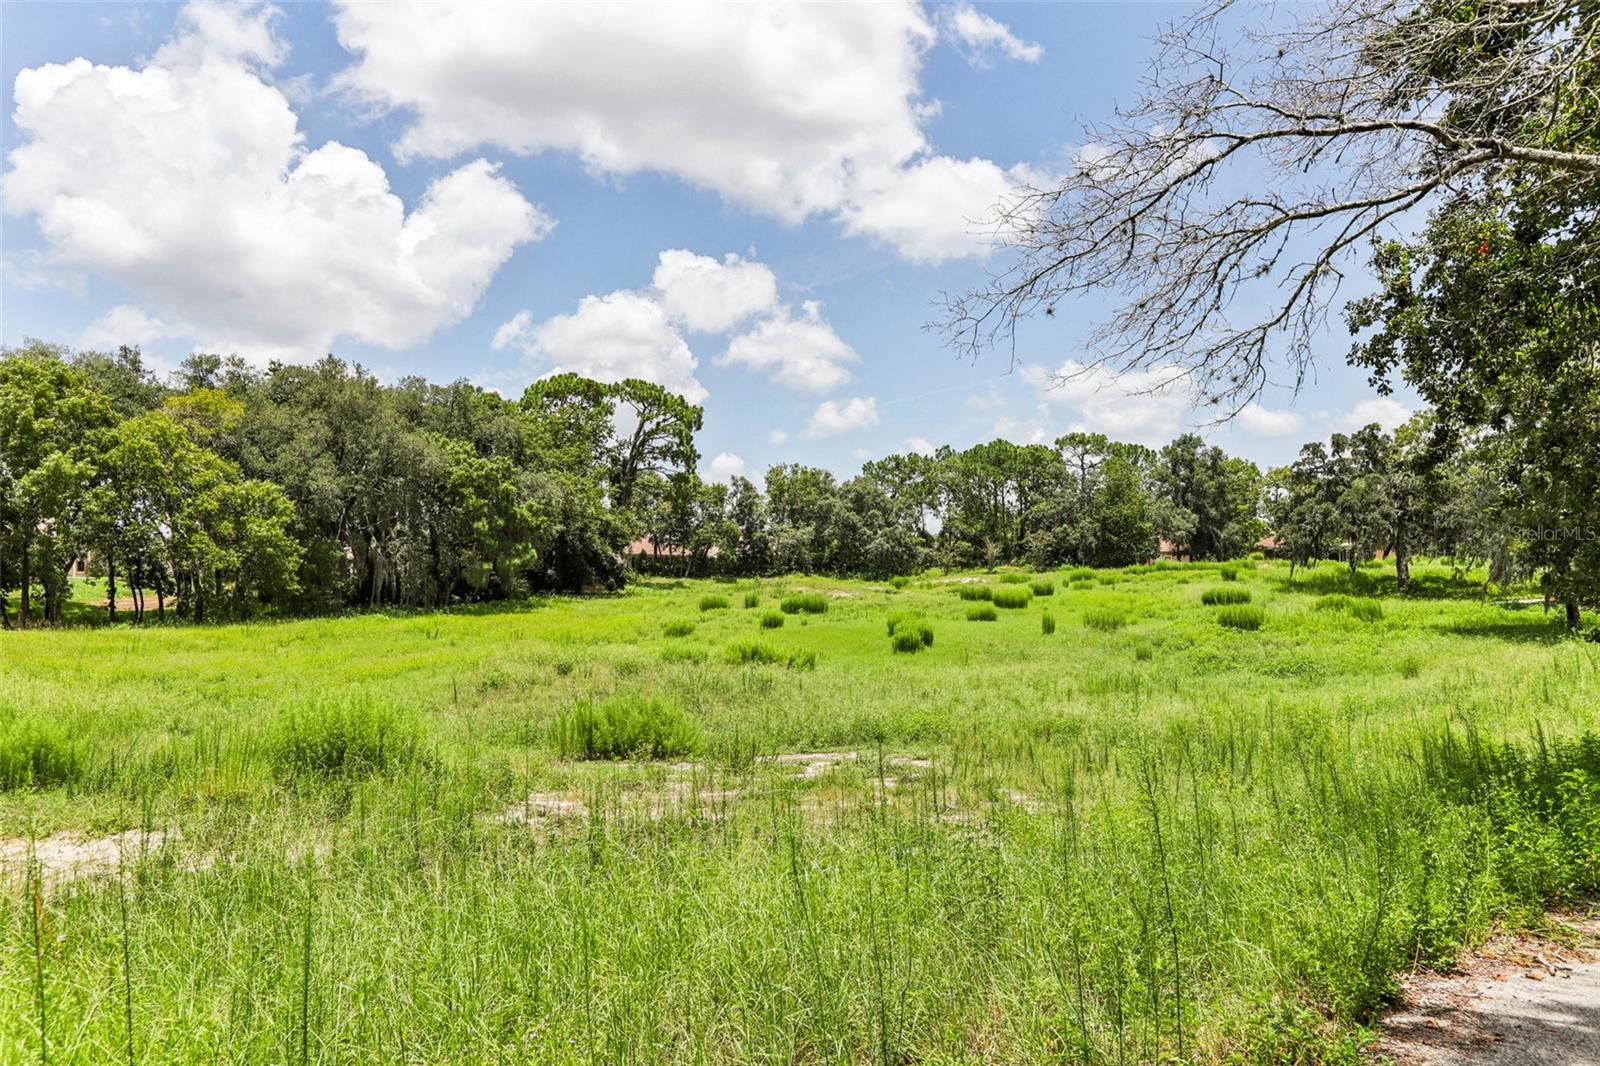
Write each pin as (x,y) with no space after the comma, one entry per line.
(1522,1000)
(69,854)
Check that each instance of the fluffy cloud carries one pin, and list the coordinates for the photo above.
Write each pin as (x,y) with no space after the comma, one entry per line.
(188,182)
(711,297)
(1384,410)
(917,446)
(619,335)
(790,110)
(833,417)
(125,324)
(802,353)
(778,436)
(982,39)
(1264,422)
(725,466)
(1141,407)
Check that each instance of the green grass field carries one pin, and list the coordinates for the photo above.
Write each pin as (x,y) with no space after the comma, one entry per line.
(553,833)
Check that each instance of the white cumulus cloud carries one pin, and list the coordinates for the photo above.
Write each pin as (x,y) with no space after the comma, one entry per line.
(725,466)
(1384,410)
(917,446)
(833,417)
(708,296)
(800,352)
(1139,407)
(620,335)
(188,182)
(792,110)
(1265,422)
(982,38)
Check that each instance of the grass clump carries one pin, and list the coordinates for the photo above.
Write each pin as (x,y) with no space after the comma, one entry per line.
(1082,573)
(805,603)
(713,602)
(907,641)
(1047,623)
(350,737)
(755,653)
(752,599)
(1013,579)
(1366,610)
(1224,596)
(1228,572)
(680,628)
(772,620)
(899,581)
(1104,619)
(1012,596)
(975,592)
(625,727)
(37,752)
(1143,651)
(982,612)
(1334,601)
(1081,584)
(1242,616)
(1044,587)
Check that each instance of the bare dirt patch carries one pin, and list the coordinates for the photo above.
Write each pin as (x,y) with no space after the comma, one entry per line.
(1523,1000)
(70,854)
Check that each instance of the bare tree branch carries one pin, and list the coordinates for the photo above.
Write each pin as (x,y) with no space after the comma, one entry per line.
(1214,215)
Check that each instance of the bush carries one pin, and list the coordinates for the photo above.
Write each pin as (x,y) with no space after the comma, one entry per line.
(982,612)
(1044,587)
(1104,619)
(753,652)
(1047,623)
(37,752)
(343,738)
(1240,616)
(1227,594)
(1366,610)
(1012,596)
(752,599)
(713,602)
(899,582)
(807,602)
(772,620)
(1013,579)
(1230,572)
(907,641)
(625,727)
(974,592)
(678,629)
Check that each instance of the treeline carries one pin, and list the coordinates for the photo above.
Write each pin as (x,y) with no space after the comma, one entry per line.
(230,490)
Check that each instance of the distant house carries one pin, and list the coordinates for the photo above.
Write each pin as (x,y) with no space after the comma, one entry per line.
(646,557)
(1166,549)
(646,546)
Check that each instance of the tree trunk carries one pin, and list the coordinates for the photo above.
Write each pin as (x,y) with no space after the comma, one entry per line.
(1574,615)
(27,582)
(111,586)
(1402,562)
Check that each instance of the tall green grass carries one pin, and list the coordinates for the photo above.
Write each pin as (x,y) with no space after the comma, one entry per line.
(625,727)
(343,737)
(1105,619)
(713,602)
(982,612)
(975,592)
(1241,616)
(1224,595)
(1012,596)
(805,603)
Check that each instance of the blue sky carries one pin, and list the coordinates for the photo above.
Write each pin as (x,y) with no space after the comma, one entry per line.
(758,206)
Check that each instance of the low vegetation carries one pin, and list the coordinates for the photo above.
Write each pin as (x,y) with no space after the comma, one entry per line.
(805,603)
(1012,596)
(1226,594)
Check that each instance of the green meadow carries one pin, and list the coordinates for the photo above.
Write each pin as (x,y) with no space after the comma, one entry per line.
(1200,814)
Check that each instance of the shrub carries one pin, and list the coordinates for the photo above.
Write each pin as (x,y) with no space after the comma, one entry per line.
(752,599)
(899,582)
(982,612)
(681,628)
(1227,594)
(1047,623)
(753,652)
(907,641)
(713,602)
(625,727)
(974,592)
(1013,579)
(807,602)
(1241,616)
(343,738)
(1256,557)
(1012,596)
(1230,572)
(1044,587)
(1366,610)
(1104,619)
(1333,602)
(772,620)
(37,752)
